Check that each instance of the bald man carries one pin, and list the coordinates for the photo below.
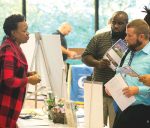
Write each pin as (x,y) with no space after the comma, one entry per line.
(63,30)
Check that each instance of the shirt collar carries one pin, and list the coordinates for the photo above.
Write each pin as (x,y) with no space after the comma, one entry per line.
(60,32)
(146,49)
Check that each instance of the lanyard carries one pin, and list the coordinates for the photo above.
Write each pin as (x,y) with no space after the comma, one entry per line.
(131,58)
(123,58)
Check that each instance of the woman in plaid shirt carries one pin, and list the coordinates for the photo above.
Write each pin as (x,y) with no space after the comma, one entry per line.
(13,71)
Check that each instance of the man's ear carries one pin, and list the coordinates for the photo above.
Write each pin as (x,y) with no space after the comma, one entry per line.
(141,36)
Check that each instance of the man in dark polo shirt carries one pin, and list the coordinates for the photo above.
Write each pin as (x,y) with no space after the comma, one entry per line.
(63,30)
(93,56)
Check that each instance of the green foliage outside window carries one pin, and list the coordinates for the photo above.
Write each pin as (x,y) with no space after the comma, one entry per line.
(45,16)
(8,7)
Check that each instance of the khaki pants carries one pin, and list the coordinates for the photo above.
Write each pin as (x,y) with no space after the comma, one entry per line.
(108,110)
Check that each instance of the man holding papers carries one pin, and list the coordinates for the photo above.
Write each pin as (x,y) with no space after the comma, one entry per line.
(145,79)
(137,115)
(94,53)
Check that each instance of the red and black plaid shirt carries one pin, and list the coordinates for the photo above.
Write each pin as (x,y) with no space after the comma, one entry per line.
(13,80)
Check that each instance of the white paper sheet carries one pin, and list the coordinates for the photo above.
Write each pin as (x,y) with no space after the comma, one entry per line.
(115,86)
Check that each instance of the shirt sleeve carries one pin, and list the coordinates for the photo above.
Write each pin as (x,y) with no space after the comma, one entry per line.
(144,90)
(9,65)
(91,48)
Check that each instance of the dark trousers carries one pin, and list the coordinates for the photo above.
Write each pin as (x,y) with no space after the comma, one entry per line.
(137,116)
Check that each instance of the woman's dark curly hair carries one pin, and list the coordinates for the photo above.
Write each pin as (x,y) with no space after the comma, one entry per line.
(11,23)
(147,17)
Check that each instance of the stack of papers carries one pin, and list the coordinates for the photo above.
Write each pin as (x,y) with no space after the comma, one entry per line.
(115,86)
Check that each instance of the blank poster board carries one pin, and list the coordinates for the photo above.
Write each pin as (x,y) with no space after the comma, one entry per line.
(93,104)
(49,48)
(52,46)
(28,50)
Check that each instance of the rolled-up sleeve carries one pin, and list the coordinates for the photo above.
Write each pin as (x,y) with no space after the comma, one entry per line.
(144,90)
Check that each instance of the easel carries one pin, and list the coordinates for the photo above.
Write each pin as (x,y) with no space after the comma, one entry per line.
(34,64)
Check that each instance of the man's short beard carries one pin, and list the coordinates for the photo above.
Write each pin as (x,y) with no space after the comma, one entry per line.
(134,46)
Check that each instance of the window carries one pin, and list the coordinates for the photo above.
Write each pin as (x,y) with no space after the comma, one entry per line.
(132,7)
(7,8)
(46,16)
